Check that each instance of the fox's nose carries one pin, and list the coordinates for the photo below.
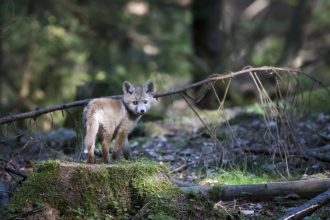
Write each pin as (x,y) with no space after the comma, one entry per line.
(142,111)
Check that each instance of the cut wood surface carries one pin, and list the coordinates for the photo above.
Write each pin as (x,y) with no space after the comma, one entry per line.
(307,208)
(302,188)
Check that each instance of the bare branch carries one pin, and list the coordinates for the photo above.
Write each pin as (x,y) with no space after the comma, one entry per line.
(34,114)
(215,77)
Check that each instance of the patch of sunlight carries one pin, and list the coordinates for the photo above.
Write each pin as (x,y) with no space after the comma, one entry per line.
(138,8)
(55,31)
(236,177)
(257,108)
(268,51)
(120,70)
(79,57)
(101,75)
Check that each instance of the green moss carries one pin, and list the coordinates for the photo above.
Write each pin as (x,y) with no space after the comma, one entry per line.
(98,191)
(151,189)
(38,188)
(237,176)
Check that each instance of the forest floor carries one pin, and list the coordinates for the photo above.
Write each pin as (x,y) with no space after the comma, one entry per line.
(238,146)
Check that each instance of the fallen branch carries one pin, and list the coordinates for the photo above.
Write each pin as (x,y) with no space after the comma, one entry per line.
(320,149)
(316,153)
(34,114)
(267,151)
(27,213)
(302,188)
(307,208)
(319,156)
(9,170)
(324,137)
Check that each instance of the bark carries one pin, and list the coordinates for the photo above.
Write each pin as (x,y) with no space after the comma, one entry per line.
(307,208)
(38,112)
(302,188)
(207,40)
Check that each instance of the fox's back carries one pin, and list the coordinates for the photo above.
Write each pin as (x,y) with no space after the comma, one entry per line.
(105,111)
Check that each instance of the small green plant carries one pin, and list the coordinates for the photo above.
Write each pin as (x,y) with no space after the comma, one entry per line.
(237,176)
(78,212)
(160,216)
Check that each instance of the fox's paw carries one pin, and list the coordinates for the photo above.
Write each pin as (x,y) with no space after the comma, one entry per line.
(115,155)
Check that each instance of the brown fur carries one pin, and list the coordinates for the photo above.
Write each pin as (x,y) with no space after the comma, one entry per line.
(114,119)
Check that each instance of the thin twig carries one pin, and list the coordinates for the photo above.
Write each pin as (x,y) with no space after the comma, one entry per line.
(7,169)
(25,214)
(141,212)
(213,136)
(180,168)
(20,150)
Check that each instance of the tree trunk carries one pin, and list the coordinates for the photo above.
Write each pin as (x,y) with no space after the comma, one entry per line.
(26,72)
(1,56)
(295,34)
(208,45)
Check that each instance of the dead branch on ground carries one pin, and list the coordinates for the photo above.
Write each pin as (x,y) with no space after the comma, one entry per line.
(307,208)
(216,77)
(302,188)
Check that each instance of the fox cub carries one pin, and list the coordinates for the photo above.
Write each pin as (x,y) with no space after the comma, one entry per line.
(115,118)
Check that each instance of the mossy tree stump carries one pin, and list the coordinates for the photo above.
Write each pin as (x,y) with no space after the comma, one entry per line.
(97,191)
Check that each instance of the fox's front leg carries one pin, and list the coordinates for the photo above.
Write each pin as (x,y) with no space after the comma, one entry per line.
(126,150)
(120,141)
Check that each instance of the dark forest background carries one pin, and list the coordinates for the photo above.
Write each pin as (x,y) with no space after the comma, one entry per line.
(58,51)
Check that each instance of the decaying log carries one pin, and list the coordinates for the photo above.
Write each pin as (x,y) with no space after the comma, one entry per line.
(307,208)
(213,78)
(302,188)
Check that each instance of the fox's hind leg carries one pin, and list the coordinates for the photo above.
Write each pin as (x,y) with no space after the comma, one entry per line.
(92,128)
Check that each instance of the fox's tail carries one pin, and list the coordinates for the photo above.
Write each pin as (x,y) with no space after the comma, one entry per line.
(91,128)
(85,126)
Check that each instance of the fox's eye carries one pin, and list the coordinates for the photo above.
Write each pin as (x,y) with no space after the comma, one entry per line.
(145,101)
(135,102)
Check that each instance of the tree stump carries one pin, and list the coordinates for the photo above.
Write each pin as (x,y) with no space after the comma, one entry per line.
(98,191)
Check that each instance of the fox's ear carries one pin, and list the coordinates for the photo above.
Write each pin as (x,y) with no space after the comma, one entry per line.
(149,87)
(128,87)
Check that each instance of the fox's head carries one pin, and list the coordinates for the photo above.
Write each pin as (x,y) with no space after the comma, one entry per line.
(138,98)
